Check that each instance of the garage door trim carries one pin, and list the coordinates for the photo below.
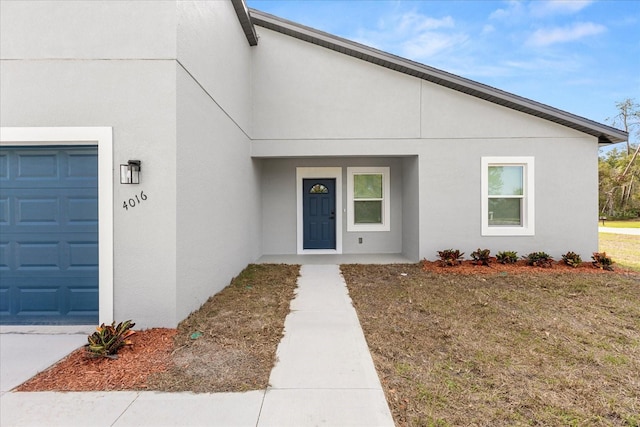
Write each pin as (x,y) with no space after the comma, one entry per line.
(102,137)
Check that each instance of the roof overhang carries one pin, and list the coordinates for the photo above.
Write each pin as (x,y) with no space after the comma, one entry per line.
(245,21)
(605,134)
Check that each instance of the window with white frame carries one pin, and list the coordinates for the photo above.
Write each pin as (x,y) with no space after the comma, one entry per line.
(368,199)
(507,186)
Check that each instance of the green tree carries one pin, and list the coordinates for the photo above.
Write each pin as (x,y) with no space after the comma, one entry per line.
(628,119)
(619,170)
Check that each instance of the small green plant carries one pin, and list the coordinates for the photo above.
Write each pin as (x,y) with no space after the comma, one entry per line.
(107,340)
(481,256)
(572,259)
(507,257)
(450,257)
(539,259)
(602,261)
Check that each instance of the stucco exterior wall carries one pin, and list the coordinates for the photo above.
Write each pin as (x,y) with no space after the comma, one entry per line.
(303,91)
(86,63)
(354,108)
(220,128)
(411,207)
(218,201)
(87,29)
(213,48)
(279,205)
(136,98)
(565,196)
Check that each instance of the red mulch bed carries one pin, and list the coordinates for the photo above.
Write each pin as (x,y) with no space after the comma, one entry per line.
(469,267)
(150,353)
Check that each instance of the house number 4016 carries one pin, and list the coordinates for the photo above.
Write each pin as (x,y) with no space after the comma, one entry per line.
(134,201)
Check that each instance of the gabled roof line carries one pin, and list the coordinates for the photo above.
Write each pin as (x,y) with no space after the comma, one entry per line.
(605,134)
(245,21)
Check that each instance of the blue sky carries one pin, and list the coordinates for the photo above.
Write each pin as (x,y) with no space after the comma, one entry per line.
(577,55)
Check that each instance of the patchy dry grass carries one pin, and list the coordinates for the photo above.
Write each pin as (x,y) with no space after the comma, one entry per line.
(623,249)
(236,332)
(505,349)
(634,223)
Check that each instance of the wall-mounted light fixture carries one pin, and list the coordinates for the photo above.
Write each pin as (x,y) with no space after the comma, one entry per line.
(130,173)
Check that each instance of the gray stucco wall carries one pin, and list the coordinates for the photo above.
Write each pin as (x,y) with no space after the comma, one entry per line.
(565,196)
(107,64)
(140,68)
(279,206)
(411,208)
(353,108)
(218,201)
(137,99)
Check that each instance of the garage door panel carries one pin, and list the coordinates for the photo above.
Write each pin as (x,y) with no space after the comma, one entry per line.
(52,168)
(82,166)
(61,211)
(82,210)
(4,301)
(82,301)
(41,167)
(49,235)
(4,211)
(37,211)
(83,255)
(4,167)
(40,255)
(5,257)
(39,300)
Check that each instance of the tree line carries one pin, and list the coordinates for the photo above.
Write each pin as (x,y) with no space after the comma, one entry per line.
(619,168)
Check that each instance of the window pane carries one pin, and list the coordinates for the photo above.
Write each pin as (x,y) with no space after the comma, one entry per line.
(367,186)
(369,212)
(505,212)
(319,189)
(505,180)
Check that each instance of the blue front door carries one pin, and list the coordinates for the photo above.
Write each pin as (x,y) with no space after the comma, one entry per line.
(48,235)
(319,213)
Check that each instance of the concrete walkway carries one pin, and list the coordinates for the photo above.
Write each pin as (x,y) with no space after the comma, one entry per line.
(614,230)
(324,376)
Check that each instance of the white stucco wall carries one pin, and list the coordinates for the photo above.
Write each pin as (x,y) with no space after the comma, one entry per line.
(565,196)
(137,99)
(218,201)
(87,29)
(213,48)
(220,128)
(279,205)
(173,81)
(86,63)
(305,91)
(352,108)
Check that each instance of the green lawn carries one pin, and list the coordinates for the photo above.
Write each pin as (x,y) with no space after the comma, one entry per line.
(623,249)
(621,224)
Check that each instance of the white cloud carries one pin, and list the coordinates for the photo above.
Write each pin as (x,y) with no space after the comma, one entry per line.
(577,31)
(488,29)
(413,35)
(555,7)
(415,22)
(513,9)
(429,44)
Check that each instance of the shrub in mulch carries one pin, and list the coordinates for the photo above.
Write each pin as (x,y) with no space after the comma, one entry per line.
(470,267)
(149,352)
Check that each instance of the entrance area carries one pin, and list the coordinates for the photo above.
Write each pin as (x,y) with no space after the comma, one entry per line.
(319,210)
(319,213)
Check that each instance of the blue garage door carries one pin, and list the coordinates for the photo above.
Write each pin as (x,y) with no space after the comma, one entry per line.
(48,235)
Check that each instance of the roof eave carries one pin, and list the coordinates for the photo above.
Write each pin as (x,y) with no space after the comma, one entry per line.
(245,21)
(605,134)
